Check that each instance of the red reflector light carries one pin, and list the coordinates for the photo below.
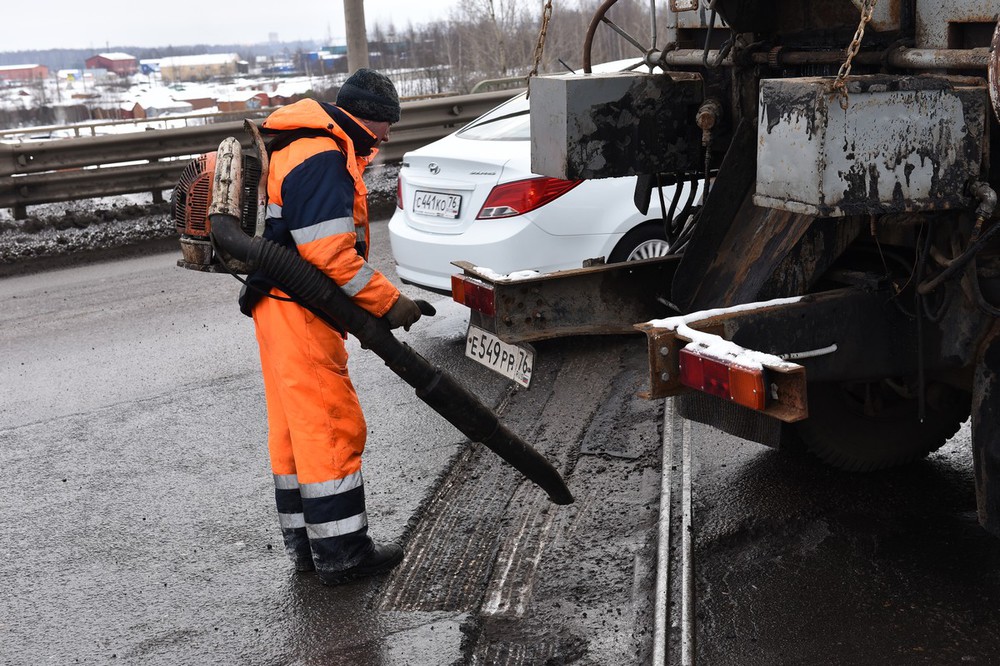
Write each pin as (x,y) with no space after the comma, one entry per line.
(523,196)
(458,289)
(472,294)
(740,384)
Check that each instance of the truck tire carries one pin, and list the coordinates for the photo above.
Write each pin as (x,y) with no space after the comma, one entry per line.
(645,241)
(868,426)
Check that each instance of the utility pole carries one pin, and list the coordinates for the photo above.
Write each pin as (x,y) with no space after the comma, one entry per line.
(357,38)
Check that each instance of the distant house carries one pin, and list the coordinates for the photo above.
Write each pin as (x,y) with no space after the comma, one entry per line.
(288,92)
(121,64)
(321,63)
(70,75)
(153,104)
(198,103)
(281,99)
(23,72)
(199,67)
(197,95)
(246,100)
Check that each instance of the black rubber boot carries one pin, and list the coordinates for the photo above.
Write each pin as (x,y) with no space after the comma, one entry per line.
(304,563)
(297,548)
(382,558)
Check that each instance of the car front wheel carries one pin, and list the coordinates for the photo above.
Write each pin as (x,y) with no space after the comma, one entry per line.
(646,241)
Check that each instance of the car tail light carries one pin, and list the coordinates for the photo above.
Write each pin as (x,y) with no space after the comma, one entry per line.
(742,385)
(399,193)
(522,196)
(473,294)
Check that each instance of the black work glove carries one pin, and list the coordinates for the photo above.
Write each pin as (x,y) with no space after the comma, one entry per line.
(404,312)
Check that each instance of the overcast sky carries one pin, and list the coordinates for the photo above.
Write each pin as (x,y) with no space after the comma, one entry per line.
(47,24)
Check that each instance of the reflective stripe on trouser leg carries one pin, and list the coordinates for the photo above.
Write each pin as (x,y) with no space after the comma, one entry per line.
(336,521)
(291,520)
(310,397)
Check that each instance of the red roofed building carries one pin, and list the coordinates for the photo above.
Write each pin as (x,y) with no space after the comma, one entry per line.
(121,64)
(23,72)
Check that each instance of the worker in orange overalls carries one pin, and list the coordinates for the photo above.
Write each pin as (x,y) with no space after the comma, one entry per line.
(316,430)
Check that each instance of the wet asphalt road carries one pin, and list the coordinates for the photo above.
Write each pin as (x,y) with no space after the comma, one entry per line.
(800,564)
(138,525)
(139,521)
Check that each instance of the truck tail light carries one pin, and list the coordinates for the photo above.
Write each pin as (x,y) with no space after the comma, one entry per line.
(523,196)
(472,294)
(730,381)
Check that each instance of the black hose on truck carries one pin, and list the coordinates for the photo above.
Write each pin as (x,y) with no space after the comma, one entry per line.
(314,290)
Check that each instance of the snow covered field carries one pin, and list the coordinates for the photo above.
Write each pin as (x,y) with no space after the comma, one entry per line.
(78,227)
(163,105)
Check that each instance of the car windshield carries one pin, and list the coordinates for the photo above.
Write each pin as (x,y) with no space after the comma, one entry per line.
(507,122)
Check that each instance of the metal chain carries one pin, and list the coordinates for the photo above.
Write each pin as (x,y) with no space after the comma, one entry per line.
(867,9)
(540,46)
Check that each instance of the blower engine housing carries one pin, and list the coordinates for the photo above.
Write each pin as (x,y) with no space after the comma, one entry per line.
(189,207)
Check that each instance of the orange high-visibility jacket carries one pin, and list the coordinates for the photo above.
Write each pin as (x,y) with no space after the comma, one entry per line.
(317,200)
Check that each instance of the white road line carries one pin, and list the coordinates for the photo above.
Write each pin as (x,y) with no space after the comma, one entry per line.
(661,605)
(686,550)
(687,554)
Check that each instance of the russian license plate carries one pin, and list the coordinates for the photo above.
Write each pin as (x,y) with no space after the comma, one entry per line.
(437,204)
(512,361)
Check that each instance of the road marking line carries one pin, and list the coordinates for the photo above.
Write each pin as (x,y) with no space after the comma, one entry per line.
(661,610)
(686,549)
(687,553)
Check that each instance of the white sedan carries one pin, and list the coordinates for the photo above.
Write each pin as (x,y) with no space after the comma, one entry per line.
(472,196)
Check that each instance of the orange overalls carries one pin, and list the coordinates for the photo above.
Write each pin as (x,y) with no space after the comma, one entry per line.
(316,429)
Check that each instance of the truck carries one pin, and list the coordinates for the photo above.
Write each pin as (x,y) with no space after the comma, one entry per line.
(838,285)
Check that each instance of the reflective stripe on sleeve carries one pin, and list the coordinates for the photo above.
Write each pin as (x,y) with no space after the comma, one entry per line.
(291,521)
(360,279)
(273,210)
(334,487)
(324,229)
(286,481)
(336,528)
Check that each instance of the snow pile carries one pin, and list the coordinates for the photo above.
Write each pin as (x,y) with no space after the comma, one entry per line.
(509,277)
(716,347)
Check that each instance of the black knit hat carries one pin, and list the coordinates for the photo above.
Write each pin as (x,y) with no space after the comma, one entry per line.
(369,95)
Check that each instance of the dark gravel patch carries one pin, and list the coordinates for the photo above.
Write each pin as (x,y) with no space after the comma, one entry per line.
(66,234)
(59,236)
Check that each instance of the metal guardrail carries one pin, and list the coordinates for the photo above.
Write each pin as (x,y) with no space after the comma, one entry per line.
(33,173)
(119,126)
